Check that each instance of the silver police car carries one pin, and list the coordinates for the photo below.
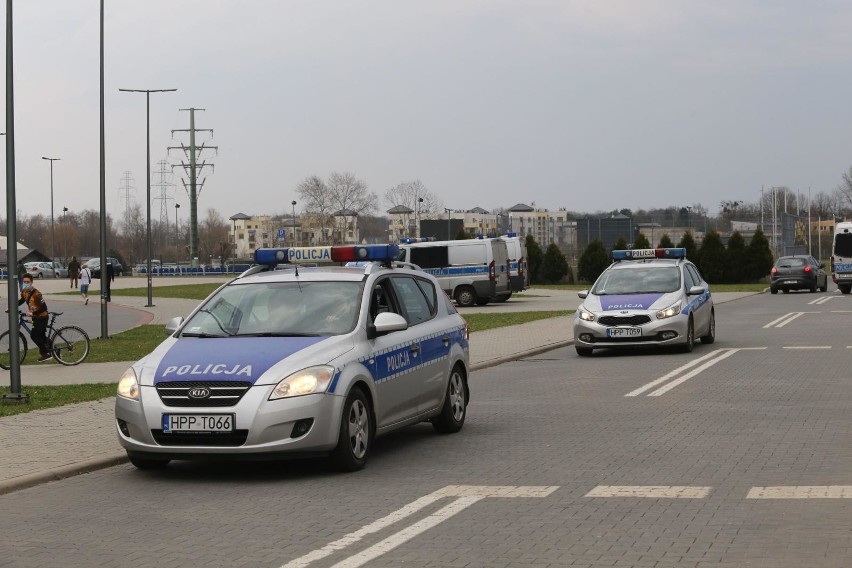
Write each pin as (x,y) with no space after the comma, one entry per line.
(645,297)
(300,361)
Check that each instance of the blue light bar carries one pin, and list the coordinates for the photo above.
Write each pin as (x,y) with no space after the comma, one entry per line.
(412,240)
(640,254)
(294,255)
(511,234)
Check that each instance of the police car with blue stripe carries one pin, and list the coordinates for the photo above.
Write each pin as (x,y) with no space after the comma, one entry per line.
(300,361)
(646,297)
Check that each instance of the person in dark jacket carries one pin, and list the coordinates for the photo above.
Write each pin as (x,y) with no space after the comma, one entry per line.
(36,309)
(73,271)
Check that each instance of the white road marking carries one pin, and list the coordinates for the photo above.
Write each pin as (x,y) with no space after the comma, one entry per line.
(806,347)
(801,492)
(841,311)
(785,319)
(822,299)
(674,373)
(667,387)
(466,495)
(650,491)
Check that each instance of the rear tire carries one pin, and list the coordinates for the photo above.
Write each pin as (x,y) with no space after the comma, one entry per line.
(465,296)
(773,290)
(711,331)
(584,351)
(5,358)
(355,437)
(454,410)
(844,289)
(147,463)
(482,301)
(502,299)
(70,345)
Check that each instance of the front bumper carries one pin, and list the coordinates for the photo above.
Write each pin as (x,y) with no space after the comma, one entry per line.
(263,429)
(656,332)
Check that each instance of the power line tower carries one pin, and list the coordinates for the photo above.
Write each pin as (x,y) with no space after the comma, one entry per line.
(165,186)
(191,169)
(124,192)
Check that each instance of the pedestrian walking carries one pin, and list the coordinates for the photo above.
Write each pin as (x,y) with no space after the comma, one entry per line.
(110,276)
(73,271)
(37,310)
(85,280)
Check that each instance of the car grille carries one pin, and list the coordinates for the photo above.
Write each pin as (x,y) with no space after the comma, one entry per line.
(235,438)
(624,320)
(222,393)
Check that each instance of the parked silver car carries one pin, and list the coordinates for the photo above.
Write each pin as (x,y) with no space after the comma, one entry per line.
(45,270)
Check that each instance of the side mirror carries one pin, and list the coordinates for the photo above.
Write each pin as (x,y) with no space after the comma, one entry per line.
(583,294)
(696,291)
(173,325)
(386,322)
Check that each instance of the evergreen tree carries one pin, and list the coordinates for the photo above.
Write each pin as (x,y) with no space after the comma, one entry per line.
(462,235)
(641,242)
(688,243)
(758,257)
(712,258)
(620,244)
(592,262)
(534,257)
(666,241)
(735,267)
(554,265)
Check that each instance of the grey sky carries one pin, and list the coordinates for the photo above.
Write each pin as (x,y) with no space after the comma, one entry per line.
(589,105)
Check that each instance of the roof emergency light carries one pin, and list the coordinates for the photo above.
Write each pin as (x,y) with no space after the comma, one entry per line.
(640,254)
(412,240)
(351,253)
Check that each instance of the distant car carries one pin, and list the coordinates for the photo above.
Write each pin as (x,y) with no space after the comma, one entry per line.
(45,270)
(646,297)
(799,272)
(95,266)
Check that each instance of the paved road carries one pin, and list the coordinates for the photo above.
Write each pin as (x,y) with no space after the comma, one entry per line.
(737,454)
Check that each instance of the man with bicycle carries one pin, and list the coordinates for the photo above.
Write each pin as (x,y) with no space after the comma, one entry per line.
(36,309)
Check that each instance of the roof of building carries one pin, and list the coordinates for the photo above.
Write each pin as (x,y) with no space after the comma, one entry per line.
(345,213)
(479,210)
(521,208)
(240,217)
(400,209)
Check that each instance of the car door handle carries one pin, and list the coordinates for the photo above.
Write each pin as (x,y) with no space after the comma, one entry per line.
(446,339)
(415,349)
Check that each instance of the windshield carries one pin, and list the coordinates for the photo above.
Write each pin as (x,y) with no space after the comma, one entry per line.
(638,280)
(278,309)
(843,245)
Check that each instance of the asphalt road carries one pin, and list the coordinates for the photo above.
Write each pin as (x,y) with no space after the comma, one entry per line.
(737,454)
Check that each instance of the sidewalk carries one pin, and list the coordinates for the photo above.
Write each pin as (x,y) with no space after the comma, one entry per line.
(60,442)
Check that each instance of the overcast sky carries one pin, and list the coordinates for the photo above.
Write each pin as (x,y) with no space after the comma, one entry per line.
(588,105)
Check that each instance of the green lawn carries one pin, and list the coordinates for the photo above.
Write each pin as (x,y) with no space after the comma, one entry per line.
(481,322)
(185,291)
(50,397)
(130,345)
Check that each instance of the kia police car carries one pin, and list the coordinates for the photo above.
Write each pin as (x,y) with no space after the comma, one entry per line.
(646,297)
(300,361)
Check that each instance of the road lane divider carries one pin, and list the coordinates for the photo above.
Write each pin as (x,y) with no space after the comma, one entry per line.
(463,496)
(675,373)
(806,347)
(650,491)
(801,492)
(821,300)
(785,319)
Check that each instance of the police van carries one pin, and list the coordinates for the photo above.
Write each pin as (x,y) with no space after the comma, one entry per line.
(299,361)
(841,256)
(471,271)
(519,275)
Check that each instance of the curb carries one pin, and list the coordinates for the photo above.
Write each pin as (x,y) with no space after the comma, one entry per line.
(520,355)
(58,473)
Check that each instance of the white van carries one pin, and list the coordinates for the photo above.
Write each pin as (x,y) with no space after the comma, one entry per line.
(471,271)
(519,274)
(841,256)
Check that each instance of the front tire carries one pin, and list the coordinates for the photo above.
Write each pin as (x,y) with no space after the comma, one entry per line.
(690,337)
(70,345)
(465,296)
(844,289)
(584,351)
(355,437)
(454,410)
(711,331)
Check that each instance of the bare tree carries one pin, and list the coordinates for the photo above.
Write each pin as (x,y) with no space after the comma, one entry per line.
(350,193)
(213,236)
(409,193)
(343,192)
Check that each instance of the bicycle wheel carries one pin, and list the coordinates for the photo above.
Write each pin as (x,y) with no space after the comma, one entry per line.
(70,345)
(5,357)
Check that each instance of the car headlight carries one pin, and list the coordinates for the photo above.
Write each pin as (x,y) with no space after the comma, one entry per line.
(586,315)
(307,381)
(672,310)
(128,387)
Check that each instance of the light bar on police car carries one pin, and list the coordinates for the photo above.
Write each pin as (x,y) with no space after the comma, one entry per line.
(412,240)
(294,255)
(640,254)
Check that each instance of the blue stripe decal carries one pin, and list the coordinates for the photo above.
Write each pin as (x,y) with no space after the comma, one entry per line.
(227,358)
(629,301)
(458,271)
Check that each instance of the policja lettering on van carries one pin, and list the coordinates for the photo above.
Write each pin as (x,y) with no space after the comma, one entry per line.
(211,369)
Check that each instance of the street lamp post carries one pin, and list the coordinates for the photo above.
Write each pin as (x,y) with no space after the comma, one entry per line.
(417,216)
(65,236)
(52,228)
(293,203)
(448,210)
(148,177)
(177,241)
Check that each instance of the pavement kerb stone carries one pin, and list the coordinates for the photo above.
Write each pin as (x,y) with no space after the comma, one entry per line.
(55,474)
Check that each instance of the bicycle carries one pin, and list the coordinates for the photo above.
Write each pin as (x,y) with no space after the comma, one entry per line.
(69,344)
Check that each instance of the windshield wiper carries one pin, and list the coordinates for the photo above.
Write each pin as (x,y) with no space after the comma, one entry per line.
(201,335)
(277,334)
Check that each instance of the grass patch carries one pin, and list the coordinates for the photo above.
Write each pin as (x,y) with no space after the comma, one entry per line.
(129,345)
(53,396)
(198,291)
(482,322)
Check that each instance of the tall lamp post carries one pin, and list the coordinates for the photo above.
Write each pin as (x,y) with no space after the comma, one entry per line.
(417,216)
(293,203)
(448,210)
(64,236)
(148,177)
(52,228)
(177,241)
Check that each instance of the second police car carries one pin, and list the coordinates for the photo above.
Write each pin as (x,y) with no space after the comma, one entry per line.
(300,361)
(645,297)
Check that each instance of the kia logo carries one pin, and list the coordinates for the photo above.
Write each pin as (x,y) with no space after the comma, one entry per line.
(199,392)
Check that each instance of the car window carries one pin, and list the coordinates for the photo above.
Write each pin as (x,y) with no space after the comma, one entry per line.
(382,299)
(790,262)
(413,300)
(638,279)
(430,293)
